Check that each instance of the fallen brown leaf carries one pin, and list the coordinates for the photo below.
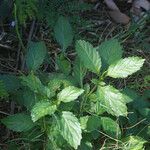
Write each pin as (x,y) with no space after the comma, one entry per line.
(115,13)
(119,17)
(89,1)
(145,4)
(138,5)
(111,5)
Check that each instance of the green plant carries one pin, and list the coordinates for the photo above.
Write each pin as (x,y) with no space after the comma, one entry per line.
(47,10)
(74,108)
(3,92)
(25,9)
(50,10)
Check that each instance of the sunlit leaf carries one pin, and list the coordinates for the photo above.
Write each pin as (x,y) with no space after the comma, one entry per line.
(69,94)
(89,56)
(112,100)
(42,109)
(70,129)
(125,67)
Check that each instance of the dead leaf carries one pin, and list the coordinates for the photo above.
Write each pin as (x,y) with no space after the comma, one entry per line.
(89,1)
(116,14)
(138,5)
(111,5)
(119,17)
(145,4)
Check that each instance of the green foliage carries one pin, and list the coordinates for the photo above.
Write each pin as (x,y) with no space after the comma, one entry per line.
(129,143)
(79,71)
(35,55)
(70,129)
(77,108)
(32,82)
(77,105)
(110,51)
(93,123)
(51,10)
(19,122)
(86,146)
(41,109)
(63,64)
(111,99)
(46,10)
(11,82)
(88,56)
(69,93)
(25,9)
(134,143)
(28,98)
(125,67)
(96,105)
(63,32)
(111,127)
(3,92)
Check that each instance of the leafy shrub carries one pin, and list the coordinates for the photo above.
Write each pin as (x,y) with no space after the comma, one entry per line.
(73,108)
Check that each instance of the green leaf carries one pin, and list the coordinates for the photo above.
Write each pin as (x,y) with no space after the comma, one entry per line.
(42,109)
(148,130)
(112,100)
(140,103)
(125,67)
(85,145)
(93,123)
(29,99)
(110,51)
(74,6)
(18,122)
(35,85)
(130,95)
(70,129)
(66,106)
(69,93)
(88,56)
(63,64)
(83,122)
(134,143)
(145,112)
(56,139)
(35,55)
(51,145)
(63,32)
(79,71)
(32,82)
(3,92)
(56,80)
(25,97)
(12,146)
(11,82)
(146,94)
(32,134)
(110,127)
(96,105)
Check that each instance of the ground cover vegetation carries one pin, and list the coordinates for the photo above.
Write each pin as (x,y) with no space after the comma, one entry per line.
(71,78)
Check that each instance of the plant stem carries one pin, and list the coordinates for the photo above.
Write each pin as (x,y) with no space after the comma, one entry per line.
(93,89)
(17,29)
